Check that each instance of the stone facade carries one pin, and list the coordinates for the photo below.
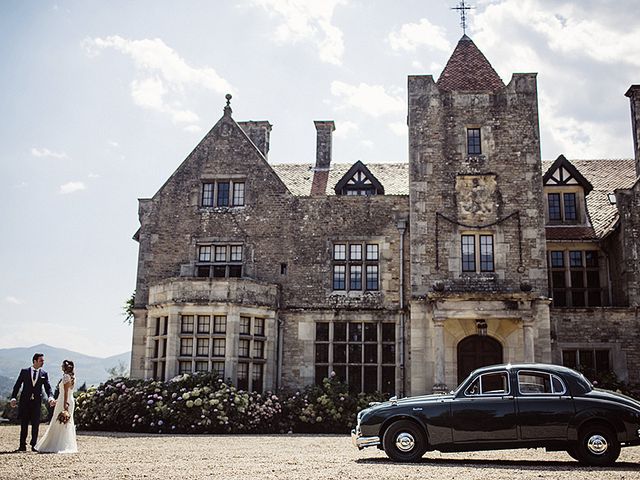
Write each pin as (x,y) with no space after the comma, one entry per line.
(399,277)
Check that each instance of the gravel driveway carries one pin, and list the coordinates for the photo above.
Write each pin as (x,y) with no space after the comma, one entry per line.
(299,457)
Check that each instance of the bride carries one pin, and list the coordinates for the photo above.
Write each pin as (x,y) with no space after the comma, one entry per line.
(61,434)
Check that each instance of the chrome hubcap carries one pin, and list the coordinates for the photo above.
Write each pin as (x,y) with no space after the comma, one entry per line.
(405,442)
(597,444)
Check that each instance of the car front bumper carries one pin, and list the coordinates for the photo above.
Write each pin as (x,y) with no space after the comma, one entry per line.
(361,442)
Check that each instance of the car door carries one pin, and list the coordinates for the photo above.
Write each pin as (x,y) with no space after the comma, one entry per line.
(485,410)
(544,406)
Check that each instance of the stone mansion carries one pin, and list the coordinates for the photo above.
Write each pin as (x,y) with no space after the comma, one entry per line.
(400,278)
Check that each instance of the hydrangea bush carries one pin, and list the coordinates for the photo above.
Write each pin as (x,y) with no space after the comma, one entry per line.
(204,403)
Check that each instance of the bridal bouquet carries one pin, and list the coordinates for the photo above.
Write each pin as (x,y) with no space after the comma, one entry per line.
(63,417)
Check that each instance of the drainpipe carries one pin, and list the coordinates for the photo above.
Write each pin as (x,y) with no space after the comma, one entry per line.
(402,226)
(609,286)
(278,352)
(279,325)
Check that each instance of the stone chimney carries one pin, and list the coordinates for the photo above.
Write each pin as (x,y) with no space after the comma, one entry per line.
(258,132)
(634,96)
(324,129)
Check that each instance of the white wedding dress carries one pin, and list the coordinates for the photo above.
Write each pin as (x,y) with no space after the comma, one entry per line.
(60,437)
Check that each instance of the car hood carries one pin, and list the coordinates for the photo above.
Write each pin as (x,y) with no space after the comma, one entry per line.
(414,400)
(614,397)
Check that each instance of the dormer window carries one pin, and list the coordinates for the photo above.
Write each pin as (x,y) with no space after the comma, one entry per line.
(565,191)
(562,207)
(474,146)
(359,181)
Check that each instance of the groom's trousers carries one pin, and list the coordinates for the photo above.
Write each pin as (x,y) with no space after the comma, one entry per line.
(30,416)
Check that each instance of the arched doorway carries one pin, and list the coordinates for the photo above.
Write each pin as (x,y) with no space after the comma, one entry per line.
(477,351)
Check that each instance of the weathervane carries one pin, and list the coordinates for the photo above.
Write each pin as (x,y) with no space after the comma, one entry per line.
(463,15)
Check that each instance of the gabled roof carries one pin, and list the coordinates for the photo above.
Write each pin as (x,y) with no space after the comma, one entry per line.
(605,175)
(562,172)
(359,176)
(299,177)
(468,70)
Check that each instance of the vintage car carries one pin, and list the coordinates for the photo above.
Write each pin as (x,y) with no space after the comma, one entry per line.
(506,406)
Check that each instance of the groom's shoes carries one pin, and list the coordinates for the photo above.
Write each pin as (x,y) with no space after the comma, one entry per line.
(22,448)
(33,449)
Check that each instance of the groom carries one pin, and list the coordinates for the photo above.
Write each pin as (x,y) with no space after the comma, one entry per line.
(32,380)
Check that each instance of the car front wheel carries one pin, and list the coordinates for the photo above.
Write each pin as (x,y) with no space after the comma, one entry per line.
(597,446)
(404,441)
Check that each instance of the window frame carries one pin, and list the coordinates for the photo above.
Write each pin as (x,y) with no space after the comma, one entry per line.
(212,193)
(568,205)
(479,265)
(551,376)
(353,266)
(474,142)
(223,257)
(350,343)
(481,393)
(566,295)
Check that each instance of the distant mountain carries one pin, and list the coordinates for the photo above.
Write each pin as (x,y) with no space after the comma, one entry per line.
(92,370)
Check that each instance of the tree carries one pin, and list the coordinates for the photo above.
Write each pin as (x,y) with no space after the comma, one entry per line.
(128,309)
(121,370)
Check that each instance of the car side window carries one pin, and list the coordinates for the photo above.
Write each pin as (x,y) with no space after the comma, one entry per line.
(538,383)
(489,384)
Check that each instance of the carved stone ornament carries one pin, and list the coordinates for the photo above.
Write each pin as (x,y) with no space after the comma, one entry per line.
(476,198)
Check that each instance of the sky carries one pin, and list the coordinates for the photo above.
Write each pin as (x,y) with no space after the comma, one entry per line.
(102,100)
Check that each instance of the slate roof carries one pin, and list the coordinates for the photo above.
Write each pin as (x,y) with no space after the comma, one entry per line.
(605,175)
(468,70)
(298,177)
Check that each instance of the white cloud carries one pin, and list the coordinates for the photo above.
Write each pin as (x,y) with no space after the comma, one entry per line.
(21,185)
(344,128)
(71,187)
(304,20)
(93,175)
(45,152)
(573,46)
(162,75)
(410,36)
(193,129)
(113,144)
(370,99)
(399,128)
(367,144)
(13,300)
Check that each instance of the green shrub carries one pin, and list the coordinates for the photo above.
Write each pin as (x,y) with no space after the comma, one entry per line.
(204,403)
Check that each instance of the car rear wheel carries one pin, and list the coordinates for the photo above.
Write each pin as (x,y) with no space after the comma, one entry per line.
(597,446)
(404,441)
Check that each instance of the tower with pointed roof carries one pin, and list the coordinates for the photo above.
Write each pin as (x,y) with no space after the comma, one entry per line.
(477,220)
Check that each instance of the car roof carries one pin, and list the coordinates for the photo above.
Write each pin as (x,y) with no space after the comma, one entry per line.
(549,367)
(578,384)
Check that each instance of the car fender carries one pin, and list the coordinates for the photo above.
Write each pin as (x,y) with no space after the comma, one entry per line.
(594,415)
(404,416)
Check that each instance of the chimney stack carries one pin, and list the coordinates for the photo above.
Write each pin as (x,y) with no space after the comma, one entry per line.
(258,132)
(324,129)
(634,96)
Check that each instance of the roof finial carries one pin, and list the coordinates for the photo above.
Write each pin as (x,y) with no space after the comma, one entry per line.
(463,15)
(227,108)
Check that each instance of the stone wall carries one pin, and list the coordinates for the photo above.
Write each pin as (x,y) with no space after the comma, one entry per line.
(617,329)
(489,188)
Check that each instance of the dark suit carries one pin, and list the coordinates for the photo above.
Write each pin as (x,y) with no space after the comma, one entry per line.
(30,402)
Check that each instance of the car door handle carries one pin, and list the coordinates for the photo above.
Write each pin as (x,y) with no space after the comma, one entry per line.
(508,397)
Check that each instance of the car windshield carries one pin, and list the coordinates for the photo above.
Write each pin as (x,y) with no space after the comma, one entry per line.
(457,389)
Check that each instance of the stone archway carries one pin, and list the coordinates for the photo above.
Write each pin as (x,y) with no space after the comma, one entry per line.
(477,351)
